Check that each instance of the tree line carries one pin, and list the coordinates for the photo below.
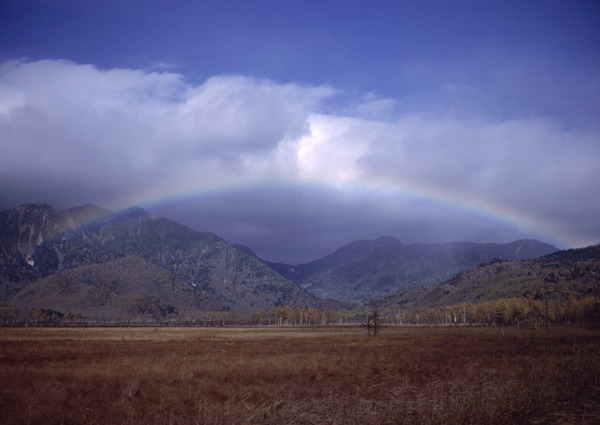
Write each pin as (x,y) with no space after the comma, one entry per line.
(519,312)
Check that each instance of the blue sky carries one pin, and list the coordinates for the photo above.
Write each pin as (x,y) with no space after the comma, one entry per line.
(297,126)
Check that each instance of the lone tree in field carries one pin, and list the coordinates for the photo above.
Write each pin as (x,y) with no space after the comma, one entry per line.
(373,319)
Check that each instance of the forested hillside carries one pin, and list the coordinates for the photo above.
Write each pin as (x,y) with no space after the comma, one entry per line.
(65,259)
(563,286)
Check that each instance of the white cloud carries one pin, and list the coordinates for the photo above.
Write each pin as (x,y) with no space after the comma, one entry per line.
(118,126)
(331,150)
(235,115)
(94,133)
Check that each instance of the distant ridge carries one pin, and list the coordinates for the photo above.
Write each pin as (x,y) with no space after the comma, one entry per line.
(365,269)
(563,274)
(71,260)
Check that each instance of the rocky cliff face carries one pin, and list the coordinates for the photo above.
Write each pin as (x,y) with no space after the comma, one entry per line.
(23,229)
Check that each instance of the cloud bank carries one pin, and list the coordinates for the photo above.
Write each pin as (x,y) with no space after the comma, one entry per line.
(293,170)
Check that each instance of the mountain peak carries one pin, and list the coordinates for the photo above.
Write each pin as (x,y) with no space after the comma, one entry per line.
(371,268)
(39,243)
(528,248)
(87,209)
(132,213)
(387,240)
(78,216)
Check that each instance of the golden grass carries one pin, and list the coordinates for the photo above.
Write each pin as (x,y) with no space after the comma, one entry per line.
(299,375)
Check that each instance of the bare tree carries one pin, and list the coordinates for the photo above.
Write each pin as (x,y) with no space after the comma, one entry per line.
(376,321)
(373,319)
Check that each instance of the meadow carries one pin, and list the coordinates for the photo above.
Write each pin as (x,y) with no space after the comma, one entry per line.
(299,375)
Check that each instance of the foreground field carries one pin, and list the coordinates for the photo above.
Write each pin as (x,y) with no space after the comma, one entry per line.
(299,375)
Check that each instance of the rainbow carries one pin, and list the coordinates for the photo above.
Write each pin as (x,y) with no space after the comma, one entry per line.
(443,197)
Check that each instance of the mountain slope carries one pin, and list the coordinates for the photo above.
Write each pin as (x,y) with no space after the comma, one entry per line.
(126,287)
(574,272)
(38,241)
(374,268)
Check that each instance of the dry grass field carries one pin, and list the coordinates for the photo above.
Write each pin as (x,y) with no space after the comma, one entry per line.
(299,375)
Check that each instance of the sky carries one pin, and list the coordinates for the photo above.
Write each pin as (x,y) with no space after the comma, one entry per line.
(296,126)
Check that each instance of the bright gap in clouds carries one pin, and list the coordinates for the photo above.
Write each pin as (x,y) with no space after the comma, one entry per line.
(284,167)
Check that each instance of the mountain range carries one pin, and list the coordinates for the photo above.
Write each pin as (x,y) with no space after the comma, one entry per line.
(99,263)
(374,268)
(90,251)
